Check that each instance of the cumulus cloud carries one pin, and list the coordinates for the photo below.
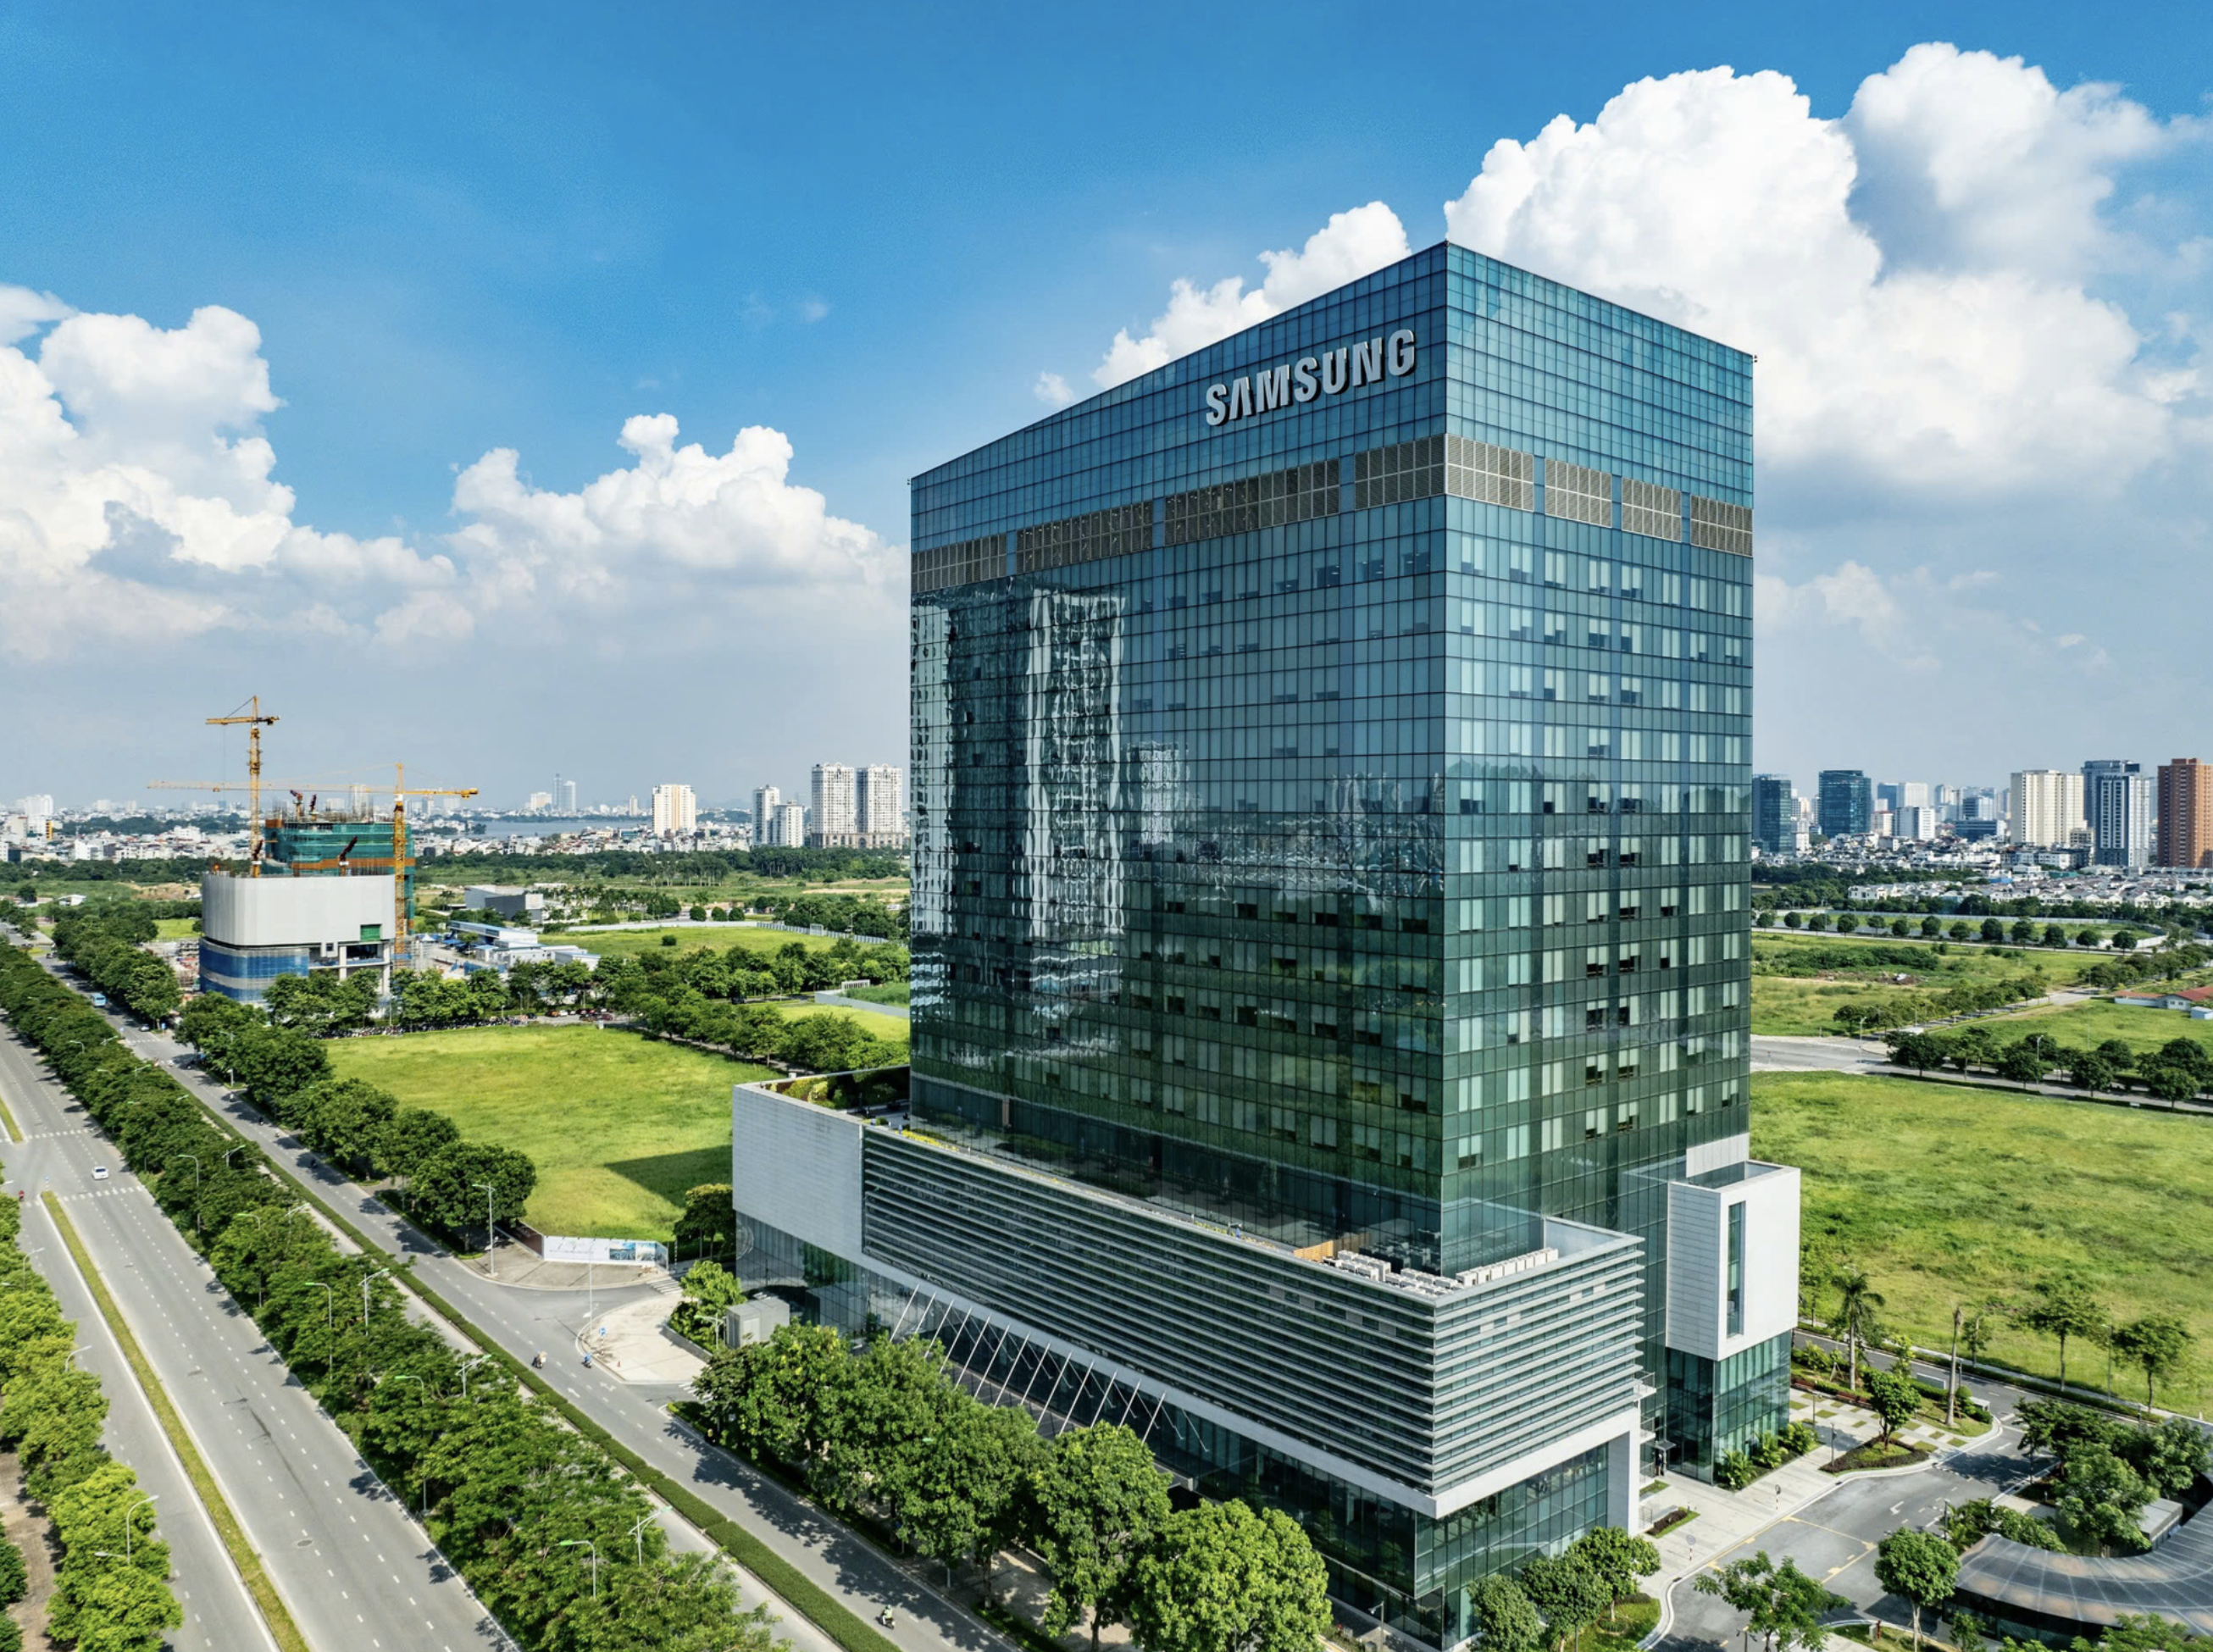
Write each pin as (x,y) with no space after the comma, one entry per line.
(1052,390)
(735,517)
(1971,359)
(138,502)
(1351,245)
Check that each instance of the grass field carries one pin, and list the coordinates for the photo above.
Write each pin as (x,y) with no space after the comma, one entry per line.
(175,929)
(1949,1195)
(1784,1000)
(896,992)
(619,1126)
(629,943)
(2082,1026)
(892,1029)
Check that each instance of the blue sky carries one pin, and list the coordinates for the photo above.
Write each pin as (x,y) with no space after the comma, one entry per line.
(869,233)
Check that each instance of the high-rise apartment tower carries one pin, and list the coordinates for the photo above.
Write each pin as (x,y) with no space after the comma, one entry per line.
(1330,797)
(2185,813)
(2046,807)
(2119,800)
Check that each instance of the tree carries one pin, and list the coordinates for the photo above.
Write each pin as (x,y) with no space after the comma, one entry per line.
(2101,1498)
(1895,1397)
(1568,1590)
(708,1225)
(710,1292)
(2090,1071)
(271,1061)
(2062,1308)
(1858,1302)
(1618,1559)
(445,1189)
(2054,935)
(1993,931)
(14,1578)
(2023,1063)
(674,1603)
(1225,1577)
(2171,1456)
(1780,1603)
(1505,1617)
(2170,1083)
(1918,1567)
(412,1138)
(773,1400)
(1101,1501)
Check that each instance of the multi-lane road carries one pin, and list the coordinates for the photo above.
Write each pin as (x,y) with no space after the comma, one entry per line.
(860,1577)
(353,1568)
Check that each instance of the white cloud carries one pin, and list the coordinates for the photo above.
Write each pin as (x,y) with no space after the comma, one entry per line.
(1351,245)
(1719,201)
(678,512)
(139,503)
(1969,160)
(1052,390)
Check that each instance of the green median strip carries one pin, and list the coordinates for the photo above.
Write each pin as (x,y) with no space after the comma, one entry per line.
(775,1574)
(14,1132)
(265,1597)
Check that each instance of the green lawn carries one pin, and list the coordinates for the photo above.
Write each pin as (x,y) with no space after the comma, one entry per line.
(619,1125)
(1796,990)
(1947,1195)
(2081,1026)
(895,992)
(175,929)
(629,943)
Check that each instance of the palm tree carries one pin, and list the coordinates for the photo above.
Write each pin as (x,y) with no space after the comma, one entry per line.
(1856,1302)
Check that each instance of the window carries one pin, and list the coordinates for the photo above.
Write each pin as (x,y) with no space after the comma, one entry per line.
(961,564)
(1578,493)
(1717,527)
(1253,503)
(1651,510)
(1736,1268)
(1113,533)
(1488,475)
(1406,470)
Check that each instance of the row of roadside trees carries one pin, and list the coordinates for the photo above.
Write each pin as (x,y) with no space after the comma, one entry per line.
(111,1586)
(2179,1070)
(555,1539)
(886,1436)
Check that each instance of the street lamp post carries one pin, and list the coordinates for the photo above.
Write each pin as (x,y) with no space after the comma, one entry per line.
(366,1279)
(587,1543)
(638,1531)
(128,1509)
(330,1319)
(491,1232)
(479,1360)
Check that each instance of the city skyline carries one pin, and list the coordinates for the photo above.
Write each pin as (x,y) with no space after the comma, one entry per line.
(270,449)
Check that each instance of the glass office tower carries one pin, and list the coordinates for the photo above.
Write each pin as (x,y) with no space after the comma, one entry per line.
(1330,760)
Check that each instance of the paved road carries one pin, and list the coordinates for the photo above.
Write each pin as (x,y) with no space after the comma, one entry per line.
(219,1614)
(1834,1539)
(356,1572)
(859,1577)
(1772,1054)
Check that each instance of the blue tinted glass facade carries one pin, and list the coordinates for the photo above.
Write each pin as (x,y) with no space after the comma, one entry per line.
(1330,818)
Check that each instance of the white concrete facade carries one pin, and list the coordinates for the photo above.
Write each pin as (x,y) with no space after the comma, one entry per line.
(288,912)
(1698,1258)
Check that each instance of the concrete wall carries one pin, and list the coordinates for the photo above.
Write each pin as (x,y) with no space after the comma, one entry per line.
(797,1167)
(1697,1258)
(292,911)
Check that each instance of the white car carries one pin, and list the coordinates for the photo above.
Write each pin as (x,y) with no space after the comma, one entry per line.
(100,1173)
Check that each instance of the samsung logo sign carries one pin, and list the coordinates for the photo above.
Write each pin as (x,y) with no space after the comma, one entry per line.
(1344,368)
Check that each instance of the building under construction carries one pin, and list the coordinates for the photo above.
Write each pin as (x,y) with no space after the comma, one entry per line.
(328,897)
(325,887)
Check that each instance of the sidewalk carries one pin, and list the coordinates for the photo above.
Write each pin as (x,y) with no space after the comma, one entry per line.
(1725,1520)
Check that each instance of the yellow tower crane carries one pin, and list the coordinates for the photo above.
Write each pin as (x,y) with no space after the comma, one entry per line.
(253,717)
(402,791)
